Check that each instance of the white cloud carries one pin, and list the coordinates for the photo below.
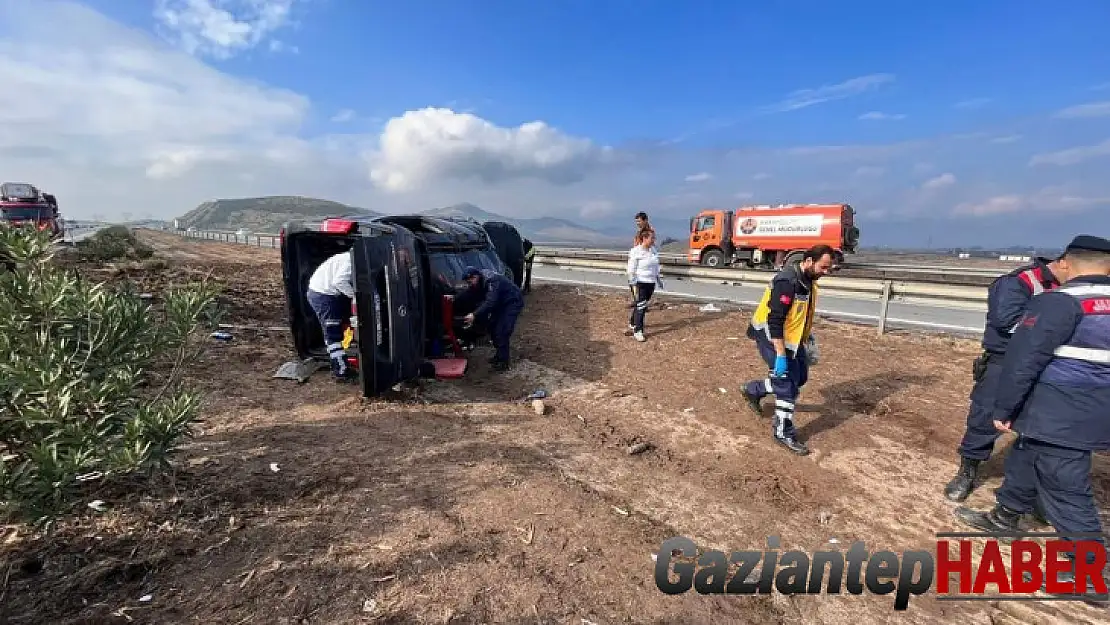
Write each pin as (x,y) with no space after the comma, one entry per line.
(761,176)
(1072,156)
(1049,199)
(342,116)
(1093,109)
(803,98)
(997,205)
(431,143)
(1007,139)
(939,182)
(699,177)
(221,28)
(879,116)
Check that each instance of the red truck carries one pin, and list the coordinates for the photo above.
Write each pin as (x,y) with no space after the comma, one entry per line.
(21,202)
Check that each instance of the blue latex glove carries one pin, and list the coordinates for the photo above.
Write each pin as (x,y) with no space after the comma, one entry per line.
(780,366)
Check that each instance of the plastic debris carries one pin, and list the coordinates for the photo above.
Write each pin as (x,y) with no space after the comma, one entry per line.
(710,307)
(638,448)
(538,406)
(146,598)
(538,394)
(98,505)
(299,370)
(221,336)
(274,467)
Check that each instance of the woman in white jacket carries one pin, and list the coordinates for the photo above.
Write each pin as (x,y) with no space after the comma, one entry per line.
(643,277)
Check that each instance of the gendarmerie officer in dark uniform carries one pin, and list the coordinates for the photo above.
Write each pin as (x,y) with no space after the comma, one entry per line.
(1054,391)
(1007,298)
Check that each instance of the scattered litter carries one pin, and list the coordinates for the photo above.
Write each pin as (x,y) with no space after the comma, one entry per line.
(620,511)
(723,389)
(370,605)
(709,308)
(98,505)
(824,517)
(274,467)
(638,448)
(538,394)
(299,370)
(146,598)
(732,338)
(146,296)
(654,557)
(834,541)
(221,336)
(538,407)
(688,410)
(232,326)
(384,579)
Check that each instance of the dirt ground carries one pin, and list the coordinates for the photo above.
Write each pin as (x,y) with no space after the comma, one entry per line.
(459,504)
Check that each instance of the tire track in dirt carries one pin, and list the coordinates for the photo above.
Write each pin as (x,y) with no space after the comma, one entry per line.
(662,486)
(697,502)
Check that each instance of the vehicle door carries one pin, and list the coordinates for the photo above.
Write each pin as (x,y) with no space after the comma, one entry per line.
(388,295)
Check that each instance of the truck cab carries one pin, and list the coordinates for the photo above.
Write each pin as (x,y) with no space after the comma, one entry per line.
(407,273)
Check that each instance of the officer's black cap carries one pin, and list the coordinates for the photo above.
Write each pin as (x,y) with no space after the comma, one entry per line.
(1091,243)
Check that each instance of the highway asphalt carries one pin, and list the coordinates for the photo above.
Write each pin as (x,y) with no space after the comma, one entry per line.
(899,315)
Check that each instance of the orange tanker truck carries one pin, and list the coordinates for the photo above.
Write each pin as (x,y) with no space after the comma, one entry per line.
(771,236)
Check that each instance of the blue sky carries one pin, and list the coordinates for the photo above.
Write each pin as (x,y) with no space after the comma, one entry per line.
(944,121)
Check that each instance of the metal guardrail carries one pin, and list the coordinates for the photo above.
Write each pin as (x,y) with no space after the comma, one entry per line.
(881,291)
(681,259)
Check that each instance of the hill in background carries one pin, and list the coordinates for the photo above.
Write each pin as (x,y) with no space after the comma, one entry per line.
(267,214)
(264,214)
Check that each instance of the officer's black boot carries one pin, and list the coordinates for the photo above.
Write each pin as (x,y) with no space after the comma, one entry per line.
(752,402)
(788,439)
(961,486)
(998,519)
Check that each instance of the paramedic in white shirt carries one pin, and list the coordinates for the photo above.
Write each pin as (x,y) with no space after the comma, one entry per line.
(643,277)
(330,293)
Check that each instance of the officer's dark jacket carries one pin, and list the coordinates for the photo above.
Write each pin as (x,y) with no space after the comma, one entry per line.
(501,294)
(1055,379)
(1007,298)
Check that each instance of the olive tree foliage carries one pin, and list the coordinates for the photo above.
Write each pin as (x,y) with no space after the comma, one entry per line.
(90,379)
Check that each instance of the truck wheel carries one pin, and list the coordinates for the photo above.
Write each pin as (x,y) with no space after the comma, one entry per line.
(713,258)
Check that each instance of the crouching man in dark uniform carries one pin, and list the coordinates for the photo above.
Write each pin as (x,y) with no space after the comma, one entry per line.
(1054,391)
(1007,298)
(781,326)
(502,305)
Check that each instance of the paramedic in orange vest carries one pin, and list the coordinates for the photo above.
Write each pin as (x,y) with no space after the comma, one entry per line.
(1007,298)
(781,327)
